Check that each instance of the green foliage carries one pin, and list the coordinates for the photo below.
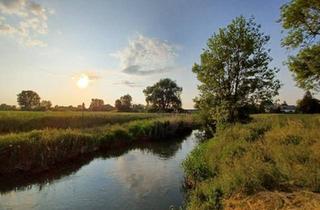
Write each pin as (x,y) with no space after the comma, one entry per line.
(234,72)
(124,103)
(272,153)
(138,108)
(164,96)
(28,100)
(302,20)
(6,107)
(45,105)
(195,165)
(306,67)
(206,198)
(308,104)
(96,105)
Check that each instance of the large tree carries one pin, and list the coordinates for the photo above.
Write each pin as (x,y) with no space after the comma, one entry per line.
(234,73)
(124,104)
(301,18)
(164,96)
(28,100)
(96,105)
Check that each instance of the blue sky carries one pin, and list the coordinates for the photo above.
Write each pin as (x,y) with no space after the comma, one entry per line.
(122,46)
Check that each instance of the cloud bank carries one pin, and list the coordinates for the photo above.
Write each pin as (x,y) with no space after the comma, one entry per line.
(146,56)
(25,20)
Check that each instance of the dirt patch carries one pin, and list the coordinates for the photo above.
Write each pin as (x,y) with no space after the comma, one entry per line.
(302,200)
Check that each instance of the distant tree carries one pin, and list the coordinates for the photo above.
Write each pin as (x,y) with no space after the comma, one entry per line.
(108,107)
(124,103)
(71,108)
(308,104)
(68,108)
(45,105)
(302,20)
(96,105)
(28,100)
(234,73)
(138,108)
(164,96)
(5,107)
(256,108)
(80,107)
(118,104)
(265,106)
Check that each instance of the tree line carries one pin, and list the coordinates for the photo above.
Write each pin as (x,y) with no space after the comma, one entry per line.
(163,96)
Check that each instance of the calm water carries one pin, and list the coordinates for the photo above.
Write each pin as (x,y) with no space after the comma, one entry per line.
(148,176)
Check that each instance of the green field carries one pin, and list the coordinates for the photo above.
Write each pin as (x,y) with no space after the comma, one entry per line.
(39,140)
(272,162)
(17,121)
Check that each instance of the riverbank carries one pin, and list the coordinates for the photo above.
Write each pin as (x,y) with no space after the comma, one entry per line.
(39,150)
(162,149)
(272,162)
(144,176)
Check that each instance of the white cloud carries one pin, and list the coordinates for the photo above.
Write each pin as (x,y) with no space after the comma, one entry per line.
(13,7)
(38,10)
(127,83)
(6,28)
(34,43)
(31,21)
(145,56)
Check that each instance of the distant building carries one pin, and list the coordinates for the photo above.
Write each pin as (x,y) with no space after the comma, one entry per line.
(287,108)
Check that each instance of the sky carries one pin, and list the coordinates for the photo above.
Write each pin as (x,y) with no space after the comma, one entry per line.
(120,46)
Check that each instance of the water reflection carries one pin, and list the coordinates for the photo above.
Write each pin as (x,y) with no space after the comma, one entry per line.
(144,176)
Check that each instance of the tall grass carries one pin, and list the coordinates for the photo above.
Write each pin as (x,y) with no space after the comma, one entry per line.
(272,153)
(39,150)
(18,121)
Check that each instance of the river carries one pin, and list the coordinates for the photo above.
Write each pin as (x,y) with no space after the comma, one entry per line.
(146,176)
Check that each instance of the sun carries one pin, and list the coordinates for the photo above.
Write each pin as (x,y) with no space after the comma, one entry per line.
(83,81)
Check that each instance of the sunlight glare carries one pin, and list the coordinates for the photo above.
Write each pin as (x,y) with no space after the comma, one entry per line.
(83,81)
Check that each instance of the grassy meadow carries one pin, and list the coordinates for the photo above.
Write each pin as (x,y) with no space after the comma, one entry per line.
(38,141)
(17,121)
(273,162)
